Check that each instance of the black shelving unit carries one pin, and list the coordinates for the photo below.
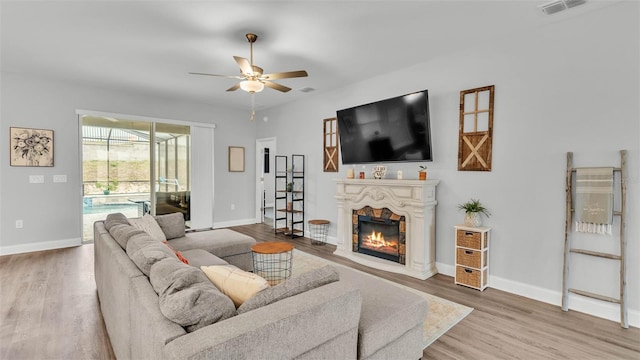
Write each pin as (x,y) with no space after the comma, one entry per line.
(289,204)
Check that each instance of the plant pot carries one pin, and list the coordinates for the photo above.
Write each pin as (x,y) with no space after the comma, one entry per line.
(473,219)
(106,192)
(422,175)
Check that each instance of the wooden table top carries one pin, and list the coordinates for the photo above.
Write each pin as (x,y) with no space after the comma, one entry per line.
(318,222)
(271,247)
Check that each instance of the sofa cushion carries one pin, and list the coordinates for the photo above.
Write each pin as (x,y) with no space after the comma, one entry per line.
(123,232)
(144,251)
(294,286)
(199,257)
(187,297)
(387,313)
(236,283)
(178,253)
(220,242)
(115,219)
(172,225)
(149,225)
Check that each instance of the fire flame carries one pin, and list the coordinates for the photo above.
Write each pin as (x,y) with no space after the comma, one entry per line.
(376,239)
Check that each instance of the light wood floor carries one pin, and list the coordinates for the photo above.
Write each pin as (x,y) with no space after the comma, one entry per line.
(49,310)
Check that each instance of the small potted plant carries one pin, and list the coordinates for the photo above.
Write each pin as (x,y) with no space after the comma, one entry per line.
(422,172)
(289,187)
(473,208)
(108,187)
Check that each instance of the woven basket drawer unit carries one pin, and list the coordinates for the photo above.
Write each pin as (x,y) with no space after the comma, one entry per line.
(471,258)
(470,239)
(470,277)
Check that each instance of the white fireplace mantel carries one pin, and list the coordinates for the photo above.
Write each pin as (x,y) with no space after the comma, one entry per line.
(415,199)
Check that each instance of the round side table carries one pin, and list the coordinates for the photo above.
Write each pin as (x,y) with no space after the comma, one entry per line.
(273,260)
(318,229)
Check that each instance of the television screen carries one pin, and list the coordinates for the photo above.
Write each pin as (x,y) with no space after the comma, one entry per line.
(395,129)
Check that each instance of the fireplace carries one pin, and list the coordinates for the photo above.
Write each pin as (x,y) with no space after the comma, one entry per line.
(409,204)
(380,233)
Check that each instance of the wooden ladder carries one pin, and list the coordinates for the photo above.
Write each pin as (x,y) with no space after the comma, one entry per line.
(568,249)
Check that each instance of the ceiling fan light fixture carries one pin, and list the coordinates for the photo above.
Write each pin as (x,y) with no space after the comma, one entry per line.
(251,86)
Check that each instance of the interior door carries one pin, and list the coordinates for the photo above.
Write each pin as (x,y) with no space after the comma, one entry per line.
(265,181)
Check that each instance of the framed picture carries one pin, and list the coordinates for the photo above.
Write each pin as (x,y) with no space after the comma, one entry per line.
(31,147)
(236,159)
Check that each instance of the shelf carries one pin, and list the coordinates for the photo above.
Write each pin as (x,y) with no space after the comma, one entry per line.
(290,211)
(292,223)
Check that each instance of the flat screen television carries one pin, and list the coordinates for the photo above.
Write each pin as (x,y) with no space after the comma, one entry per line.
(391,130)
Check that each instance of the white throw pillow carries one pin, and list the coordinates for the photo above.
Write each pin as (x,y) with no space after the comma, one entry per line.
(237,284)
(149,225)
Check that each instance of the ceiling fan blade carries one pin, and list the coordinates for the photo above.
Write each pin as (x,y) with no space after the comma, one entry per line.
(225,76)
(285,75)
(234,87)
(245,65)
(276,86)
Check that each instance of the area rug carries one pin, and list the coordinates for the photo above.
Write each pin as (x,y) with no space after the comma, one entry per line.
(442,315)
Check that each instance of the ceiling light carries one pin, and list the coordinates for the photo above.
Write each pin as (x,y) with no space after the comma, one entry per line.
(252,86)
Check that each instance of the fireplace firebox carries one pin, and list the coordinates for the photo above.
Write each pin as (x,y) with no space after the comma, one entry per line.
(379,237)
(380,233)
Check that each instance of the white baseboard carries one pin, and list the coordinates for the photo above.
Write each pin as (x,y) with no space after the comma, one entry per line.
(240,222)
(579,303)
(39,246)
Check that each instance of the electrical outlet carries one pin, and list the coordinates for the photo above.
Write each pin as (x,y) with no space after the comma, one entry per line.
(233,206)
(19,224)
(59,178)
(36,179)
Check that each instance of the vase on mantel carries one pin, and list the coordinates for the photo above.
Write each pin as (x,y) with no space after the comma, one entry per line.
(472,219)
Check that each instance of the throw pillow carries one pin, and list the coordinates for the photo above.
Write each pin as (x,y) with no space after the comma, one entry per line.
(148,224)
(296,285)
(172,225)
(187,297)
(237,284)
(178,253)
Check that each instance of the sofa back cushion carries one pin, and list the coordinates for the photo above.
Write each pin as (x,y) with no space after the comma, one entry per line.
(119,228)
(145,251)
(149,225)
(115,219)
(172,225)
(294,286)
(122,233)
(187,297)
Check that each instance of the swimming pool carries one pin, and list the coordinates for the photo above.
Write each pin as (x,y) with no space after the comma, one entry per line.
(110,208)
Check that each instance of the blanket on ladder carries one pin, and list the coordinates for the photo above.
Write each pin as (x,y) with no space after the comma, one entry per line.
(594,200)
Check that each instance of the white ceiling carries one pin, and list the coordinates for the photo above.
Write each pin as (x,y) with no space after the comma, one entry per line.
(150,46)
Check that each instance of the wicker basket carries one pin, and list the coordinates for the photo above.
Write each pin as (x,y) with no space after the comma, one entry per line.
(471,258)
(469,239)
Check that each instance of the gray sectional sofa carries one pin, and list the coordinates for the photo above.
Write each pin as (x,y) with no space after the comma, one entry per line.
(143,288)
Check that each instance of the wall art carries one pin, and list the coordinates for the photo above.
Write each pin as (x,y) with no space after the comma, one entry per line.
(330,134)
(475,138)
(31,147)
(236,159)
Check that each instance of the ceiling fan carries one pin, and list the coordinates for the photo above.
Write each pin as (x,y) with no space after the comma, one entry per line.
(252,76)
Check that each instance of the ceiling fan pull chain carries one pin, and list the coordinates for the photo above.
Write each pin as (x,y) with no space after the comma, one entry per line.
(253,104)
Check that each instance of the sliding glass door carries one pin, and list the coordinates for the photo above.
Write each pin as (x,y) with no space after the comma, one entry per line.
(173,170)
(134,167)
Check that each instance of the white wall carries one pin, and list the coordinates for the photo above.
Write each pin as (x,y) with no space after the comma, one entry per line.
(52,211)
(570,85)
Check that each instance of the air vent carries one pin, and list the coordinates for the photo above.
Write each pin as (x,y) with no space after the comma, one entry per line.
(559,5)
